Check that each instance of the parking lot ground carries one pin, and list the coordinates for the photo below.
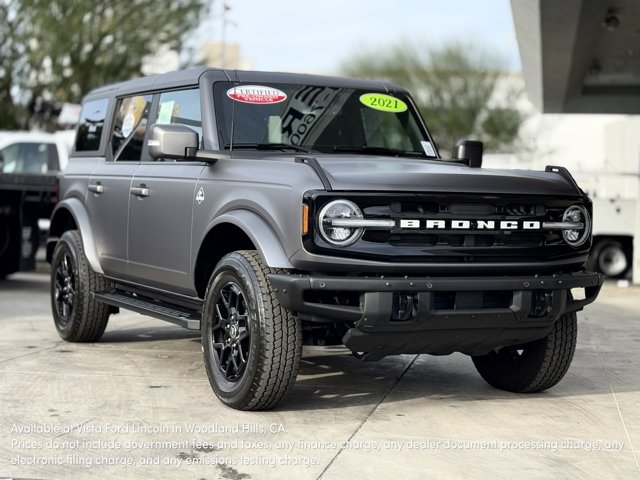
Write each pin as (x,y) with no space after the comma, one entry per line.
(138,405)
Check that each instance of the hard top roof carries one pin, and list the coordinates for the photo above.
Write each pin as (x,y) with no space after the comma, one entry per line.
(191,77)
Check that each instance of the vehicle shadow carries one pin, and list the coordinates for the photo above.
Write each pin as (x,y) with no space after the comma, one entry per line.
(331,378)
(606,359)
(149,334)
(339,381)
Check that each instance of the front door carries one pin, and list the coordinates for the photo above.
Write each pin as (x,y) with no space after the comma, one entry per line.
(162,202)
(160,215)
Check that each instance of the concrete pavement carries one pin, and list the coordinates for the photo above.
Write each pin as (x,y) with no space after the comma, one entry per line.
(138,405)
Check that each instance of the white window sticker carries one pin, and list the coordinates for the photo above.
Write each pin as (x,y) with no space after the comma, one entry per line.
(428,149)
(127,123)
(256,94)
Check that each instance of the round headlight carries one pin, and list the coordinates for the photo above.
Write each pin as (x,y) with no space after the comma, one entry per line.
(577,214)
(339,235)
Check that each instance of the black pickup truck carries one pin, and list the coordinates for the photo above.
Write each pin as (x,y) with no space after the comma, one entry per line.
(29,166)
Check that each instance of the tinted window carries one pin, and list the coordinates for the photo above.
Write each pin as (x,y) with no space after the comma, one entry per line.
(29,158)
(90,126)
(319,118)
(130,126)
(181,107)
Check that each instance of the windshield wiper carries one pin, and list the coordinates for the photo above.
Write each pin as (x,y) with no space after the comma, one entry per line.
(270,146)
(378,151)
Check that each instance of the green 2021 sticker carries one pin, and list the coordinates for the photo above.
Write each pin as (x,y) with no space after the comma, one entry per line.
(385,103)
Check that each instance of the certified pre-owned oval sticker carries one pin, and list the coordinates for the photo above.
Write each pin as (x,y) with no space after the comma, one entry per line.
(256,94)
(385,103)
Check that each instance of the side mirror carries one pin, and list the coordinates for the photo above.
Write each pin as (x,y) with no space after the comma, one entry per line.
(469,151)
(172,141)
(1,162)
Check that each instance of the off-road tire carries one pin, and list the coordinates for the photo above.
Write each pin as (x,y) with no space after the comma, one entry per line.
(275,340)
(88,318)
(540,365)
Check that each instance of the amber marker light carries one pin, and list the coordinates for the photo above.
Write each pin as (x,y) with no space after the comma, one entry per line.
(305,218)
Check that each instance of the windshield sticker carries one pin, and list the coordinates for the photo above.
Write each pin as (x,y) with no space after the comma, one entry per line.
(256,94)
(382,102)
(166,112)
(428,149)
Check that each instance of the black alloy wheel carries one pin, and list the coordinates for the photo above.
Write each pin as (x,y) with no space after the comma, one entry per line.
(231,332)
(65,289)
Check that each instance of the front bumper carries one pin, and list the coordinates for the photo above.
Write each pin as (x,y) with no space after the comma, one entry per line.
(438,315)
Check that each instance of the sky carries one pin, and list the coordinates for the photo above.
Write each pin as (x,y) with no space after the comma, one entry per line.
(318,36)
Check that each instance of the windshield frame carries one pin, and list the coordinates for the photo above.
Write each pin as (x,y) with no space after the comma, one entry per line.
(224,143)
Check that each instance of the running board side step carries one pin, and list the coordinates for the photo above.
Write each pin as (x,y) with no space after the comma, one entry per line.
(184,317)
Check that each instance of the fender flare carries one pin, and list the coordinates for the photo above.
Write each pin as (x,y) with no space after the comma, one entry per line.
(260,233)
(81,217)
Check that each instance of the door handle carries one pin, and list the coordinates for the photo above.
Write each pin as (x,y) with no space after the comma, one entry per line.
(96,188)
(141,191)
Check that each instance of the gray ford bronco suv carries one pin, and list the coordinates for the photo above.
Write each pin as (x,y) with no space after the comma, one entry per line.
(268,210)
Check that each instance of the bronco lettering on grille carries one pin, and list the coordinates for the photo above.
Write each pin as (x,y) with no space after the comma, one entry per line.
(470,224)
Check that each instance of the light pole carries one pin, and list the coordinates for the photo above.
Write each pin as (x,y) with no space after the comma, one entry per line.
(223,42)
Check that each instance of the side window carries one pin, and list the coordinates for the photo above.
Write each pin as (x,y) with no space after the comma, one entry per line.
(27,158)
(90,125)
(182,107)
(129,128)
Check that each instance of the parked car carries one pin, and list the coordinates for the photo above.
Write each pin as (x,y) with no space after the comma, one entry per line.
(268,209)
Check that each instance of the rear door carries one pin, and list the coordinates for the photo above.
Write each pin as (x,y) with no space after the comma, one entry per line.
(109,192)
(160,213)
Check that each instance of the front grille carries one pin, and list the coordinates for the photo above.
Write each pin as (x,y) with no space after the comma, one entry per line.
(449,245)
(498,210)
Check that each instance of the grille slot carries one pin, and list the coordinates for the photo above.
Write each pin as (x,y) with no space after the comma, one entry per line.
(472,300)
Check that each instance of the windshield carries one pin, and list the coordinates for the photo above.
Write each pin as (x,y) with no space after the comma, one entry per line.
(306,118)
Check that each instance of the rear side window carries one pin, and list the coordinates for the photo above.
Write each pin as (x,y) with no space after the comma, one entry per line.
(181,107)
(130,127)
(91,124)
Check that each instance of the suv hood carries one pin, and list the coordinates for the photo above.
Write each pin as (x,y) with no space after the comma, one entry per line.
(371,173)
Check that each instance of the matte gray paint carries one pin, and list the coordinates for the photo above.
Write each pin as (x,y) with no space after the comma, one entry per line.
(159,237)
(260,234)
(79,213)
(109,214)
(369,173)
(270,189)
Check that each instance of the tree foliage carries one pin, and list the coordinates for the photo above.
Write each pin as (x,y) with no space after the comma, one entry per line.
(68,47)
(13,49)
(455,89)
